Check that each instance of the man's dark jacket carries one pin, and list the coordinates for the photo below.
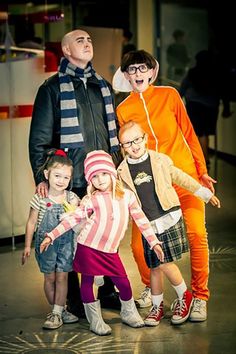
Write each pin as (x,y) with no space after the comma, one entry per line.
(45,125)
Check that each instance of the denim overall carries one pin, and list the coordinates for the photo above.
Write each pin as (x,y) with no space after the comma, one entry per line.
(59,255)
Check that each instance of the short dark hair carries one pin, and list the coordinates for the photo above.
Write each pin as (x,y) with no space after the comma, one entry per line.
(127,34)
(53,159)
(178,33)
(137,57)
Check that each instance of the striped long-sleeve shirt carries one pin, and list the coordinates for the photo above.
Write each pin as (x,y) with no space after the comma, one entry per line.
(107,222)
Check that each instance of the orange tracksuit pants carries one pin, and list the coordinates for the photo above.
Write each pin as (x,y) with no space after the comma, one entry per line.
(194,216)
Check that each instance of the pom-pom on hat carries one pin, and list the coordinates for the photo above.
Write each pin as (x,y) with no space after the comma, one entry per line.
(98,161)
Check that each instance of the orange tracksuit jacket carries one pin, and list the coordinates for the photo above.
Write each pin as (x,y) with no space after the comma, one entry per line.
(162,115)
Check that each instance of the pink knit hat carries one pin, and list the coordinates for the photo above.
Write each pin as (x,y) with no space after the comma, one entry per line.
(98,161)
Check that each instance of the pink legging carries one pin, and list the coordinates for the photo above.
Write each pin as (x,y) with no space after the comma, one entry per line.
(122,284)
(194,216)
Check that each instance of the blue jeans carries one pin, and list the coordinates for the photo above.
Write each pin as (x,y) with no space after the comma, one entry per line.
(59,256)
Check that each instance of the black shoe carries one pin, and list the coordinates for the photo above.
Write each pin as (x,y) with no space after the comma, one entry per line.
(110,301)
(74,302)
(76,309)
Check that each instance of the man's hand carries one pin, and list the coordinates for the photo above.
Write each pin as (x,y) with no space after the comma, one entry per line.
(158,250)
(42,189)
(207,181)
(45,243)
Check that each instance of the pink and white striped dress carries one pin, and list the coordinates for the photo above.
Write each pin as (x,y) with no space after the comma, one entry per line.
(105,221)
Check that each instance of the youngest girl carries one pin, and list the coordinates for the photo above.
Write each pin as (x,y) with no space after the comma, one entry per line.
(44,215)
(105,211)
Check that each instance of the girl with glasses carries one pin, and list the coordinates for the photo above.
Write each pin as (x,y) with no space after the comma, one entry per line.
(151,175)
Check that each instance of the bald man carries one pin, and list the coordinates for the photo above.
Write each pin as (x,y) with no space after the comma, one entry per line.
(74,111)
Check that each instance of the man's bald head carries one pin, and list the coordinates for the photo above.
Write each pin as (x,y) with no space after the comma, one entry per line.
(77,47)
(71,36)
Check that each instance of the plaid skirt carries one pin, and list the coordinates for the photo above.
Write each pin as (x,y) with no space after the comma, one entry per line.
(174,244)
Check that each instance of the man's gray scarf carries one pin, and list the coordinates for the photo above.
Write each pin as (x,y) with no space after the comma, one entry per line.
(71,136)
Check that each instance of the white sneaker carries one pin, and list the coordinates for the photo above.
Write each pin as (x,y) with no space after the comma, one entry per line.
(53,321)
(199,311)
(145,299)
(68,317)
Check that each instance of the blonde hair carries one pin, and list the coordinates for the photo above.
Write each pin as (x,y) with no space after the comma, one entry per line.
(119,189)
(129,125)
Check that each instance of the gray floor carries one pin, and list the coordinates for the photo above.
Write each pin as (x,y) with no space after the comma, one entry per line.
(23,305)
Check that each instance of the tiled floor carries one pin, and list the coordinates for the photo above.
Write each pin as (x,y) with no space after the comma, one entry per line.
(23,305)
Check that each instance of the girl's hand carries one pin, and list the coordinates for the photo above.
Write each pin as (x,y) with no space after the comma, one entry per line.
(45,243)
(215,201)
(158,250)
(25,255)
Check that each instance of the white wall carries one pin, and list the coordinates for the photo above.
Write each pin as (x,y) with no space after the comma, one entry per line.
(19,83)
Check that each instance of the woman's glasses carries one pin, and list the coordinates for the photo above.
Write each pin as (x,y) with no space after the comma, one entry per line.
(131,70)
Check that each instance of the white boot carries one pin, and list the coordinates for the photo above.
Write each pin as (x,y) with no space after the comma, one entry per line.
(129,314)
(94,317)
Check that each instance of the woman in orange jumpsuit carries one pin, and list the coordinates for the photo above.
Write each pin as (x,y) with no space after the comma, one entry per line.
(160,111)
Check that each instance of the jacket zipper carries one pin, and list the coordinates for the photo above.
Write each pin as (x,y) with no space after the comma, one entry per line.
(148,119)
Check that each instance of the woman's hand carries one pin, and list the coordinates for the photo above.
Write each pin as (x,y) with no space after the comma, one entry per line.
(45,243)
(207,181)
